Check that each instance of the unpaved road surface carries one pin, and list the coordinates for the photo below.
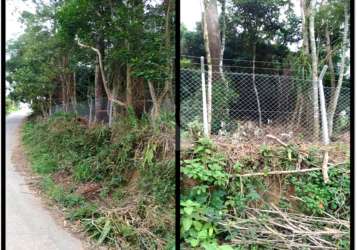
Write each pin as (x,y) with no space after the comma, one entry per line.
(28,224)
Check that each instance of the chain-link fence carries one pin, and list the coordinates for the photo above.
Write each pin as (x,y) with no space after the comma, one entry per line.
(248,106)
(104,111)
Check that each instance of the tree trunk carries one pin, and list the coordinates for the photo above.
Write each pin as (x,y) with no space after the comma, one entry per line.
(74,100)
(104,81)
(50,105)
(154,113)
(210,68)
(330,60)
(304,12)
(63,88)
(334,100)
(100,102)
(90,104)
(223,39)
(316,130)
(254,84)
(111,108)
(213,33)
(169,96)
(157,100)
(129,96)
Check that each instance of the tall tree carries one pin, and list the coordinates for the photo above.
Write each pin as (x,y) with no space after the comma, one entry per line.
(305,16)
(223,38)
(334,100)
(314,58)
(213,33)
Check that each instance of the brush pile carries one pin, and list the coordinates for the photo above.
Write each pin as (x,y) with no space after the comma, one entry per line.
(277,229)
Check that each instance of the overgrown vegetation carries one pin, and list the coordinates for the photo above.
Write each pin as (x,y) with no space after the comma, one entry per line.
(223,207)
(118,183)
(11,106)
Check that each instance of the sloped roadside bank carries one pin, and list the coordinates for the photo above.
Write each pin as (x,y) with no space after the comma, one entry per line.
(117,184)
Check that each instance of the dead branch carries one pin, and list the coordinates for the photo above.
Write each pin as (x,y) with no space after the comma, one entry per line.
(283,230)
(286,171)
(109,95)
(277,139)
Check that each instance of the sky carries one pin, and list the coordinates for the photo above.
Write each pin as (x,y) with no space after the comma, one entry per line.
(190,13)
(13,11)
(14,28)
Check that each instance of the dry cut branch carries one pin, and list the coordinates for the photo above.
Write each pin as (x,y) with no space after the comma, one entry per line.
(296,171)
(276,228)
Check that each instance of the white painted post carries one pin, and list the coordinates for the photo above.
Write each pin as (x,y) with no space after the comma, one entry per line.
(203,88)
(325,135)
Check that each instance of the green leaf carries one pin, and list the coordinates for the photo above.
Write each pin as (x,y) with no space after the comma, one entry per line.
(106,229)
(187,222)
(210,246)
(194,242)
(188,210)
(211,231)
(197,225)
(289,152)
(203,234)
(225,247)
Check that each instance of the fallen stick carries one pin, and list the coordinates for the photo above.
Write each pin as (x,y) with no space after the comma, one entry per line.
(284,171)
(277,139)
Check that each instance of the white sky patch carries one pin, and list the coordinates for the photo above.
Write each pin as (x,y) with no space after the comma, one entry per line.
(14,27)
(190,13)
(14,8)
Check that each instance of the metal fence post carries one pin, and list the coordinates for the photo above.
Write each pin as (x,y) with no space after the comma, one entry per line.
(323,107)
(203,87)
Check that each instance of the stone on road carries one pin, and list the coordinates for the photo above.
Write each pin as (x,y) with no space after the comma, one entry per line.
(28,224)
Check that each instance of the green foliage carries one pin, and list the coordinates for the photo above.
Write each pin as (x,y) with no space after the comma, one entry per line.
(86,210)
(194,228)
(318,197)
(107,157)
(210,192)
(58,194)
(11,106)
(185,63)
(222,98)
(207,168)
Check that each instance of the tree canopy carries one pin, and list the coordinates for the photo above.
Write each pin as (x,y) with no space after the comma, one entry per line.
(135,40)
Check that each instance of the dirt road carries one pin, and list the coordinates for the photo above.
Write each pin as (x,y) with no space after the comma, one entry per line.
(28,224)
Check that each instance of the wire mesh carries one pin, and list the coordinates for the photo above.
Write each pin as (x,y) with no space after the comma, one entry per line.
(107,112)
(247,106)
